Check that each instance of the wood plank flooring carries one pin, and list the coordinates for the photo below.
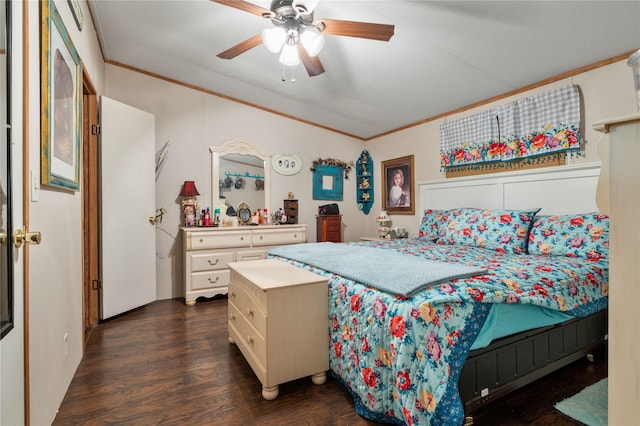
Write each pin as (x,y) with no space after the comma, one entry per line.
(168,363)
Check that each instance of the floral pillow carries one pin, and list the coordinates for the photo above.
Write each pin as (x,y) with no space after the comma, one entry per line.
(502,230)
(581,235)
(431,224)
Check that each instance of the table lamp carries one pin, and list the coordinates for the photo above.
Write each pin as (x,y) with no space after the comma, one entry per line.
(383,220)
(189,203)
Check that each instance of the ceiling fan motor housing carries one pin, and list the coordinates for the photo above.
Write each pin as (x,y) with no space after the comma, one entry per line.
(290,17)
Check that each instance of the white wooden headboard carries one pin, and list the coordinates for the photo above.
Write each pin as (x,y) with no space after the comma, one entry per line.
(557,190)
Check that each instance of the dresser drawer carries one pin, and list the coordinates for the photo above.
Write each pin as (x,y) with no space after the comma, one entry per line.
(209,279)
(275,237)
(333,226)
(222,239)
(248,307)
(256,293)
(244,255)
(246,336)
(207,261)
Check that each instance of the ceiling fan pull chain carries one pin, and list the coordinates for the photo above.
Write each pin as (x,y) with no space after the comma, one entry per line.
(284,74)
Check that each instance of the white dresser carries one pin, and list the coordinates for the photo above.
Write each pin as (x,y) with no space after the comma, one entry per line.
(207,251)
(278,318)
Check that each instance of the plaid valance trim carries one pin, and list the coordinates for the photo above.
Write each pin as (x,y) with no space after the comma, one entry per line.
(539,125)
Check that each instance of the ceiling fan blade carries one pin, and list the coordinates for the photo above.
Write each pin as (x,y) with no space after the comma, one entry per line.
(241,47)
(245,6)
(382,32)
(312,64)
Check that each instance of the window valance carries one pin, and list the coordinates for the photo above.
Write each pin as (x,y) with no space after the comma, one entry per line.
(543,124)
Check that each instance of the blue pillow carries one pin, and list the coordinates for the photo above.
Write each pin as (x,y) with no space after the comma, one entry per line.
(579,235)
(431,224)
(501,230)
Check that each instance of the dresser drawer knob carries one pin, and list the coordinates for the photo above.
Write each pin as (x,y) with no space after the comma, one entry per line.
(213,263)
(201,239)
(232,317)
(213,281)
(232,295)
(250,312)
(241,238)
(260,236)
(250,340)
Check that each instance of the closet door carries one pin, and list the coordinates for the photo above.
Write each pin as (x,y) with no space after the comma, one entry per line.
(127,180)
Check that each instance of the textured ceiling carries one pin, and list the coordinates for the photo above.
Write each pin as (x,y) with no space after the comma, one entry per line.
(444,55)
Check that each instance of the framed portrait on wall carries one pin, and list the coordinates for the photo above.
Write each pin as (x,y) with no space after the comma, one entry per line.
(398,186)
(61,103)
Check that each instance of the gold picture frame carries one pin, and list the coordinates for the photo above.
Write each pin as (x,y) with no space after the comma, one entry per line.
(61,103)
(398,186)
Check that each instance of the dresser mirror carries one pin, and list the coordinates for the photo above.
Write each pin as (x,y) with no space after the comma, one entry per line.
(240,173)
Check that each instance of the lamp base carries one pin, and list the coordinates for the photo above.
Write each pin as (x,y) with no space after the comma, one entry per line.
(383,232)
(189,210)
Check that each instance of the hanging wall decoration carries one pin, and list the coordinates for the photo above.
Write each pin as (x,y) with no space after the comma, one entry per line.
(61,91)
(398,186)
(364,182)
(327,183)
(286,164)
(328,178)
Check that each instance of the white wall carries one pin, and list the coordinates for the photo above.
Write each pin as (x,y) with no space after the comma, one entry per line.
(192,121)
(55,266)
(606,92)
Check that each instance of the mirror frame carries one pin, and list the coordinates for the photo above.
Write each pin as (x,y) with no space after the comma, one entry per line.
(239,146)
(336,174)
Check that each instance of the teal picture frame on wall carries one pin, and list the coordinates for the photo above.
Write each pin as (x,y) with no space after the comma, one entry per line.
(328,183)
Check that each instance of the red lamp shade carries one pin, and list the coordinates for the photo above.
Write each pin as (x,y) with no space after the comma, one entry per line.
(189,189)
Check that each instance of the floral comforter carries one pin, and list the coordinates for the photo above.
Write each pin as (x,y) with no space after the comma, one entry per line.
(400,357)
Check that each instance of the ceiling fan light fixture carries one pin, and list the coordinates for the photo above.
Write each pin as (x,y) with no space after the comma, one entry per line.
(289,55)
(312,41)
(274,38)
(307,5)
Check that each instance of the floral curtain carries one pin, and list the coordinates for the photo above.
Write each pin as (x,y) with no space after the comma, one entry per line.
(539,125)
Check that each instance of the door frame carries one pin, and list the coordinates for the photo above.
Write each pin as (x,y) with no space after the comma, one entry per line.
(90,209)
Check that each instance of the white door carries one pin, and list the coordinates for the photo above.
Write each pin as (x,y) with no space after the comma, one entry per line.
(12,327)
(127,181)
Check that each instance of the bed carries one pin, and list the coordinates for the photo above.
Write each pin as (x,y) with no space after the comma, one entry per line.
(425,353)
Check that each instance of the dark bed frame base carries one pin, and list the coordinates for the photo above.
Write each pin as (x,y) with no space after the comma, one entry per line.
(515,361)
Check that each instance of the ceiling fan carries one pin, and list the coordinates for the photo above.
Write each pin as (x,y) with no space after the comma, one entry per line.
(296,36)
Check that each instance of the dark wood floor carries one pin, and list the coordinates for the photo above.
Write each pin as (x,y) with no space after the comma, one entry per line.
(168,363)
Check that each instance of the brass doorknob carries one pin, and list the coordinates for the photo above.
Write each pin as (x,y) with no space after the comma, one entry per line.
(22,236)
